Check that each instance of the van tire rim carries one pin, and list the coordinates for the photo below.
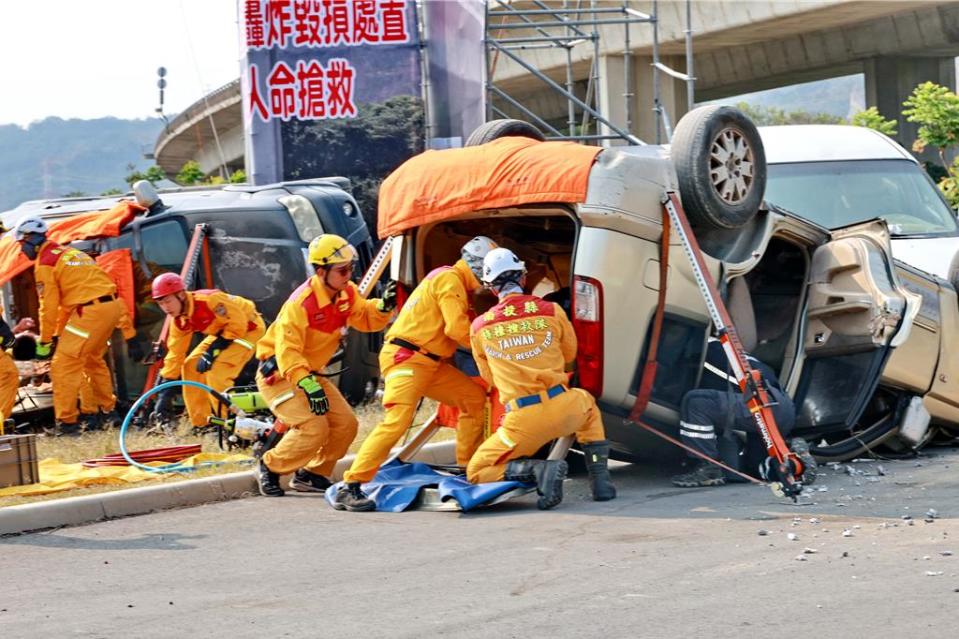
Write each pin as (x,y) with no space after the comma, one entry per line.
(731,165)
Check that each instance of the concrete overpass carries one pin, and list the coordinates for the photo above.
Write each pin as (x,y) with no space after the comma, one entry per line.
(739,46)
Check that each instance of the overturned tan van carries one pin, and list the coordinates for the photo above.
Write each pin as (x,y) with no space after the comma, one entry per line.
(857,340)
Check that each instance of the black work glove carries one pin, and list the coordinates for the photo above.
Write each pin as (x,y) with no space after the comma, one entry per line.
(315,394)
(205,362)
(6,335)
(388,299)
(134,350)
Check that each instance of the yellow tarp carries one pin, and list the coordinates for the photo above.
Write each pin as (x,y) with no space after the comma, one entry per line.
(55,476)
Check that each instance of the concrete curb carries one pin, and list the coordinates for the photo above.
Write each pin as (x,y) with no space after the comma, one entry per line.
(72,511)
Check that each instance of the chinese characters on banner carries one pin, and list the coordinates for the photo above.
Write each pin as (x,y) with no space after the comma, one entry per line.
(312,88)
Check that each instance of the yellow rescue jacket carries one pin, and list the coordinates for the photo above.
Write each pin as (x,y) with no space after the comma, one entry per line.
(211,312)
(307,331)
(435,317)
(522,345)
(66,278)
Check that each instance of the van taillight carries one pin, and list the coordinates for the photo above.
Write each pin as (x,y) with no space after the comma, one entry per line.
(588,323)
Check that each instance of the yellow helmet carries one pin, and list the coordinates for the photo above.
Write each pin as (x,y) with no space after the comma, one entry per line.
(329,249)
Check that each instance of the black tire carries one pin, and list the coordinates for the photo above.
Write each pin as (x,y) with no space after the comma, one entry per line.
(858,442)
(721,167)
(495,129)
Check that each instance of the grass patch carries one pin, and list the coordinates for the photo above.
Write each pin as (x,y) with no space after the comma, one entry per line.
(100,443)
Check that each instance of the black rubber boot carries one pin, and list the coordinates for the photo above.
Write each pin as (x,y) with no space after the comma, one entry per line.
(268,481)
(550,476)
(351,497)
(597,465)
(62,429)
(306,482)
(90,422)
(110,419)
(521,470)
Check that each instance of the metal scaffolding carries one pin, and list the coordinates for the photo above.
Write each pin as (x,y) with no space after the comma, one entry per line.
(515,27)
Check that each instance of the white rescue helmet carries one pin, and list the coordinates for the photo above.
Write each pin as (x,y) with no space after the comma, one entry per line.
(499,261)
(474,251)
(32,224)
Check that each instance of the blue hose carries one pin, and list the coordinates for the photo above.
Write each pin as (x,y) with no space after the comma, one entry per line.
(169,468)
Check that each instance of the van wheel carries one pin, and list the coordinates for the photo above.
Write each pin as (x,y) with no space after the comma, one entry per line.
(858,442)
(721,166)
(495,129)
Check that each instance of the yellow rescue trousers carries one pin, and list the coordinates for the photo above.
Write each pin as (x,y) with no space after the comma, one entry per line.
(406,382)
(227,365)
(82,342)
(313,442)
(526,430)
(9,383)
(96,391)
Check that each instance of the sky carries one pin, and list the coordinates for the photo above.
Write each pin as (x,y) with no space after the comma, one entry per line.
(97,58)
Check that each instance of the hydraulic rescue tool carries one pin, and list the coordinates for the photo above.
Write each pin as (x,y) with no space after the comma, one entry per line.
(782,468)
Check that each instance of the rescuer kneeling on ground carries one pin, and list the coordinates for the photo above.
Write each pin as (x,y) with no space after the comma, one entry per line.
(718,406)
(433,322)
(78,307)
(232,327)
(522,346)
(299,344)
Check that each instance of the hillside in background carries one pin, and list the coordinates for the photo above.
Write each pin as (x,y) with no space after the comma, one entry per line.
(840,97)
(54,157)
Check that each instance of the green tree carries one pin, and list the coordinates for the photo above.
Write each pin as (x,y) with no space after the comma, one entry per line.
(238,177)
(76,194)
(872,119)
(936,109)
(112,192)
(153,174)
(190,174)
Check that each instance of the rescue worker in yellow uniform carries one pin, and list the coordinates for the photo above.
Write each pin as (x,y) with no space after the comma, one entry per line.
(97,400)
(232,327)
(522,346)
(78,306)
(9,376)
(296,349)
(433,322)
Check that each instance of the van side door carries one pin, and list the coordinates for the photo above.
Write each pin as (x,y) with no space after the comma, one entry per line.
(856,312)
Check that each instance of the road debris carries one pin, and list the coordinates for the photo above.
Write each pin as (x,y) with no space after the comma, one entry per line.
(792,537)
(847,533)
(800,557)
(932,513)
(762,532)
(809,551)
(933,573)
(945,553)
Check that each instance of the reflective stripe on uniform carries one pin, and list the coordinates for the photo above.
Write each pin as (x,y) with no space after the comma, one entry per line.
(715,371)
(503,437)
(686,433)
(402,372)
(282,398)
(701,428)
(243,342)
(76,331)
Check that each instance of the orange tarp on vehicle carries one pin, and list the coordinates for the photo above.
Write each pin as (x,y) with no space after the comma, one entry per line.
(82,226)
(438,185)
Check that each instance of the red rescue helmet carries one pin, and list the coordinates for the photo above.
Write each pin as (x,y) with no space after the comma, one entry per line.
(167,284)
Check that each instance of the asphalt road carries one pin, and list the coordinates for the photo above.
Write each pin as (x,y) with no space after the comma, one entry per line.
(657,562)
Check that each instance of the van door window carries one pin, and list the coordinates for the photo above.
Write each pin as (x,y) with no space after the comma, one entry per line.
(164,246)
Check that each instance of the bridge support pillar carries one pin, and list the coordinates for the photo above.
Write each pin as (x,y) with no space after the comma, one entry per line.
(638,117)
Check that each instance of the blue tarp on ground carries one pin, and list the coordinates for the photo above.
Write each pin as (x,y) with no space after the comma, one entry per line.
(397,484)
